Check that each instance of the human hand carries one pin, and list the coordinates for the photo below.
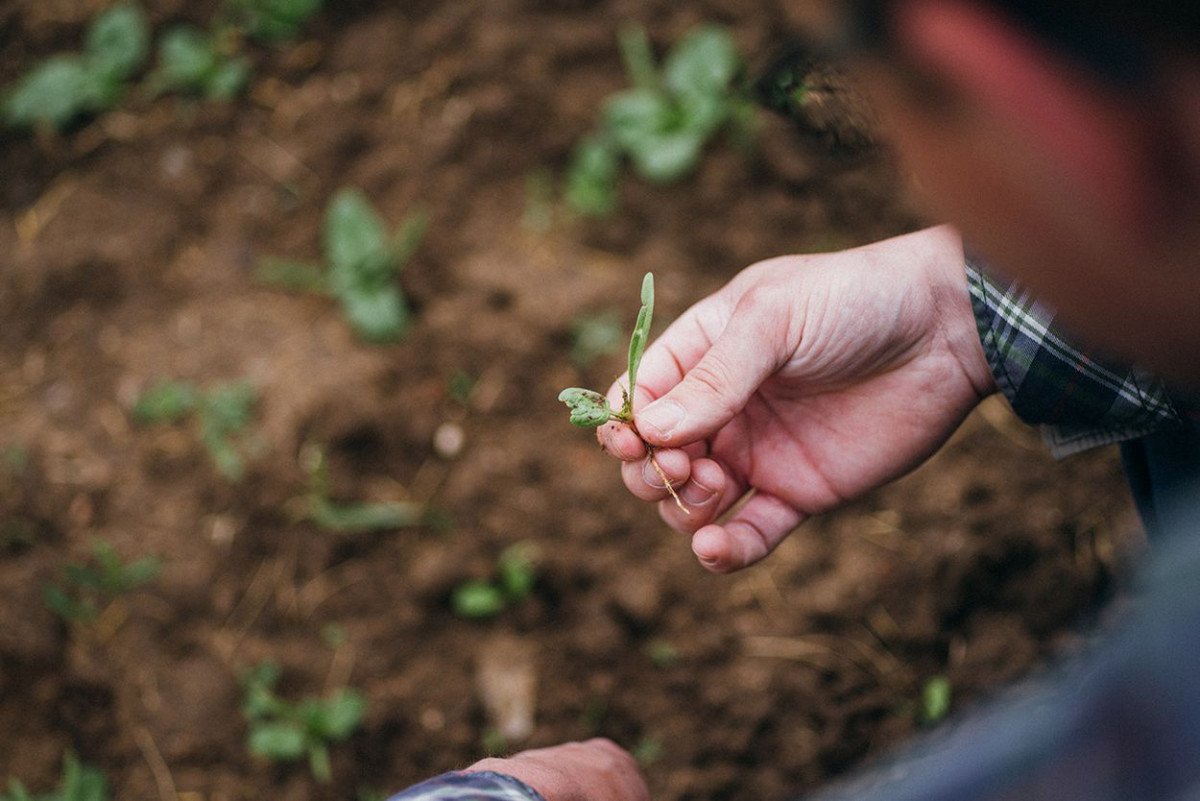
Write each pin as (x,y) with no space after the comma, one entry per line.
(803,383)
(595,770)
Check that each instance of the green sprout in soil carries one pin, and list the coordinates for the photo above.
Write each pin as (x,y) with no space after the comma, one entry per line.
(68,86)
(79,782)
(935,700)
(595,335)
(223,416)
(352,517)
(270,21)
(282,731)
(664,121)
(516,573)
(590,409)
(92,587)
(363,263)
(195,61)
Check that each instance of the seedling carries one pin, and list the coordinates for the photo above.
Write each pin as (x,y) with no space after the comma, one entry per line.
(664,121)
(65,87)
(590,409)
(271,20)
(92,587)
(935,700)
(222,416)
(285,732)
(79,782)
(516,574)
(362,266)
(194,61)
(352,517)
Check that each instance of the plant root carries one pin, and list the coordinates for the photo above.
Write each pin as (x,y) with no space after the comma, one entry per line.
(666,483)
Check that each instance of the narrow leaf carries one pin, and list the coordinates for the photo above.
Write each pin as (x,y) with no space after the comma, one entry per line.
(641,332)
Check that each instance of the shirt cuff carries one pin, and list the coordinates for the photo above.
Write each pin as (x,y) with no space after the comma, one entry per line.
(484,785)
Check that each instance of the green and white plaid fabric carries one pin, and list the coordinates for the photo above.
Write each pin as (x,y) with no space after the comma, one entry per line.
(1081,399)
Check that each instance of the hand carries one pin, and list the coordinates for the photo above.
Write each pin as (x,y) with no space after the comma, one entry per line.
(804,383)
(596,770)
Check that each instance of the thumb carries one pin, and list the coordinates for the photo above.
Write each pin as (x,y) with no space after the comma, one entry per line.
(717,387)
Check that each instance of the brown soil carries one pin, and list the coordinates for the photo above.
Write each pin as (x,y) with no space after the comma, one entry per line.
(127,248)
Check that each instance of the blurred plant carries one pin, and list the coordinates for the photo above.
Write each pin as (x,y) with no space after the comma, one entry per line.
(223,416)
(270,21)
(70,85)
(595,335)
(362,266)
(662,653)
(351,517)
(460,385)
(79,782)
(92,587)
(281,731)
(14,458)
(935,700)
(664,121)
(195,61)
(516,573)
(647,751)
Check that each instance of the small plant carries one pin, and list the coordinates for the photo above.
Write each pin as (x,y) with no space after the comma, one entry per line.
(352,517)
(935,700)
(222,415)
(79,782)
(516,573)
(194,61)
(91,587)
(664,121)
(362,266)
(65,87)
(282,731)
(271,21)
(590,409)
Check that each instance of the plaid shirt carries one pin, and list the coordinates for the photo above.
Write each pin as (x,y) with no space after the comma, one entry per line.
(1080,399)
(482,786)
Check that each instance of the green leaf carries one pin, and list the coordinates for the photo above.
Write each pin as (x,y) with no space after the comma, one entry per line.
(117,42)
(704,62)
(355,241)
(935,699)
(344,713)
(81,782)
(638,58)
(53,93)
(517,571)
(186,58)
(166,402)
(637,116)
(476,599)
(588,408)
(592,180)
(351,517)
(282,740)
(641,333)
(272,20)
(667,158)
(228,80)
(378,316)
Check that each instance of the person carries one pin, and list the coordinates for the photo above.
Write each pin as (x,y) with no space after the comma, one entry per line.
(1063,141)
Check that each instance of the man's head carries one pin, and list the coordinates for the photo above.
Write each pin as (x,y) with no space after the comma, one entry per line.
(1069,156)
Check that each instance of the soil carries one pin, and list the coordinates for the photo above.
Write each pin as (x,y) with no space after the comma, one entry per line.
(128,252)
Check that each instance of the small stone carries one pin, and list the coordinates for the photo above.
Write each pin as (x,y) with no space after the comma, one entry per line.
(448,440)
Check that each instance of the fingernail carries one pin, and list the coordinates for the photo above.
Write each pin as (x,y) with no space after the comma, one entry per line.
(696,494)
(651,476)
(662,418)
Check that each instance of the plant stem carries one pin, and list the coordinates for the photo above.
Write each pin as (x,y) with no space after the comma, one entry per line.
(666,483)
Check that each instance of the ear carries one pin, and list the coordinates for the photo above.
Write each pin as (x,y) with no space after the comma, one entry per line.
(1088,142)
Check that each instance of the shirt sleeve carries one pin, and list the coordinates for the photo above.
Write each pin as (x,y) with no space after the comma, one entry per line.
(478,786)
(1080,398)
